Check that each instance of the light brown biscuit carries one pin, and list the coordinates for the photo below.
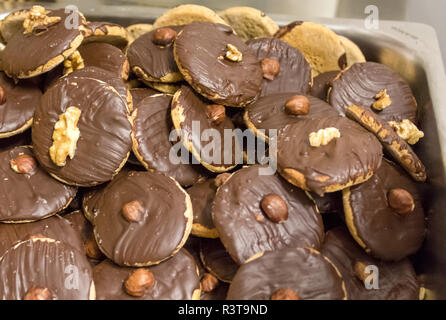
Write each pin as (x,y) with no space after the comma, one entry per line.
(354,54)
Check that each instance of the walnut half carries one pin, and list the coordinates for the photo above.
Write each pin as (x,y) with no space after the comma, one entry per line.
(65,136)
(74,62)
(36,17)
(233,54)
(407,130)
(323,136)
(382,100)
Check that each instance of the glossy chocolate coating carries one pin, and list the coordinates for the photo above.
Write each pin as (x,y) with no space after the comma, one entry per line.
(80,224)
(217,260)
(103,55)
(219,293)
(321,84)
(138,94)
(202,195)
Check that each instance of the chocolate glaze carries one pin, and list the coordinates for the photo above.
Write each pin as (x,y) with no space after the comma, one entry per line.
(156,61)
(151,128)
(303,270)
(104,56)
(321,84)
(175,279)
(31,196)
(356,153)
(21,101)
(105,131)
(362,81)
(197,50)
(192,246)
(238,202)
(396,280)
(216,259)
(295,72)
(80,224)
(160,232)
(41,263)
(27,52)
(388,235)
(202,195)
(138,94)
(218,293)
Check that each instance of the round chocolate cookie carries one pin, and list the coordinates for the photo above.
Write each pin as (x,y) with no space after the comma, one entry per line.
(270,112)
(362,85)
(85,230)
(152,126)
(384,215)
(218,64)
(256,212)
(29,54)
(202,195)
(394,280)
(138,94)
(101,31)
(322,84)
(217,260)
(105,56)
(103,130)
(327,154)
(17,104)
(174,279)
(288,274)
(28,193)
(196,118)
(284,67)
(147,222)
(151,55)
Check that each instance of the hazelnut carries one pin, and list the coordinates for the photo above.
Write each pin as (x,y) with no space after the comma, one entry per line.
(23,164)
(297,105)
(133,211)
(270,68)
(2,96)
(139,282)
(216,113)
(36,293)
(401,201)
(208,282)
(92,249)
(274,207)
(164,36)
(359,270)
(221,178)
(285,294)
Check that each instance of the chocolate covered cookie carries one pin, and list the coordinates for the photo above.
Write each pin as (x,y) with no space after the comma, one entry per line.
(255,212)
(384,215)
(218,64)
(322,84)
(288,274)
(217,260)
(327,154)
(28,193)
(82,133)
(102,31)
(380,281)
(138,94)
(147,222)
(284,67)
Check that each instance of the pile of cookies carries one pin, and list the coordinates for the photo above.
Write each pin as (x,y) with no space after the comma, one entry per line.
(93,207)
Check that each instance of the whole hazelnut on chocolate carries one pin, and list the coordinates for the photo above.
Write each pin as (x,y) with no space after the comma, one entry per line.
(274,207)
(2,96)
(36,293)
(133,211)
(285,294)
(297,105)
(270,68)
(208,282)
(221,178)
(23,164)
(401,201)
(164,36)
(216,113)
(92,249)
(139,282)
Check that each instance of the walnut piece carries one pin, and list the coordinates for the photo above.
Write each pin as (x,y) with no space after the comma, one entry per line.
(65,136)
(382,100)
(323,136)
(233,54)
(36,17)
(74,62)
(407,130)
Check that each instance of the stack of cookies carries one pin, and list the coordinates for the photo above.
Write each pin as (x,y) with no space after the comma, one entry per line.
(122,174)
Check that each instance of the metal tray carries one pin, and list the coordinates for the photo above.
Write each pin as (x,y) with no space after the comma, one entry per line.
(412,50)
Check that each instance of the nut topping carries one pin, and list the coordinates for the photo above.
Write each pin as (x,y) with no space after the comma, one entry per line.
(216,113)
(382,100)
(323,136)
(133,211)
(74,62)
(139,282)
(92,250)
(36,293)
(233,54)
(2,96)
(23,164)
(208,282)
(164,36)
(221,178)
(65,136)
(270,68)
(359,270)
(285,294)
(401,201)
(274,207)
(37,17)
(407,130)
(297,105)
